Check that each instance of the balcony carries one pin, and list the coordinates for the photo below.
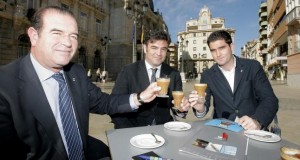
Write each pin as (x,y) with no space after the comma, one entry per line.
(293,16)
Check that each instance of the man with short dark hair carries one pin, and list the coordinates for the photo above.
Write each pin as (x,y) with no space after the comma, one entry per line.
(137,76)
(240,89)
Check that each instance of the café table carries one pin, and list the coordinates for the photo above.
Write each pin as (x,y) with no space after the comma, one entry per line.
(121,148)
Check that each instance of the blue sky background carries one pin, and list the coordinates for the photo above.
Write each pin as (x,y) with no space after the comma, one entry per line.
(241,15)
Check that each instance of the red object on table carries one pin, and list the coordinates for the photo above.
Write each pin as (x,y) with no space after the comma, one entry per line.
(224,136)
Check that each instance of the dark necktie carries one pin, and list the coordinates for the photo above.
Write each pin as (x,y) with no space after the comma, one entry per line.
(68,120)
(153,76)
(153,79)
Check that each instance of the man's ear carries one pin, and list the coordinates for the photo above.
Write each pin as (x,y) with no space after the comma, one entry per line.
(33,35)
(145,48)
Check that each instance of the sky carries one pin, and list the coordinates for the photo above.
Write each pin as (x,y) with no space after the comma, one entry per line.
(241,15)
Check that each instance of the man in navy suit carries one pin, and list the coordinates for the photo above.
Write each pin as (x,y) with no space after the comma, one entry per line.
(31,114)
(240,89)
(136,77)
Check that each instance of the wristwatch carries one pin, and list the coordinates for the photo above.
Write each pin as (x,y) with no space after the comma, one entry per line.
(139,98)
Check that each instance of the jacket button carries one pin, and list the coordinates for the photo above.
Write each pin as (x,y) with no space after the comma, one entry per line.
(236,111)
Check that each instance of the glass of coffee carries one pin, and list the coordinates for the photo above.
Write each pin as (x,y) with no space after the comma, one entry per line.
(177,97)
(163,82)
(200,88)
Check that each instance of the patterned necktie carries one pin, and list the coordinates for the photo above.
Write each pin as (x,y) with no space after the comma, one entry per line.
(68,120)
(153,76)
(153,79)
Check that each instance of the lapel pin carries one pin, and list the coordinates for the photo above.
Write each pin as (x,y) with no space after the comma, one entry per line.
(241,70)
(73,79)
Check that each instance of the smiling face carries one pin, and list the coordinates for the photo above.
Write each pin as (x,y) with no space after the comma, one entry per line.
(222,53)
(156,52)
(55,43)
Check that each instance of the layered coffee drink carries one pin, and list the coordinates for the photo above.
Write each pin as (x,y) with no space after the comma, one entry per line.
(177,97)
(200,88)
(164,84)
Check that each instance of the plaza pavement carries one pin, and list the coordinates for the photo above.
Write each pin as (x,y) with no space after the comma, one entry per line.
(288,114)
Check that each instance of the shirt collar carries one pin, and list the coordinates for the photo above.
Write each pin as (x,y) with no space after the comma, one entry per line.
(148,66)
(41,71)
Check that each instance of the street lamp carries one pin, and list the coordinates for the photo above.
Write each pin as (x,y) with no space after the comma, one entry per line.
(136,12)
(104,42)
(182,74)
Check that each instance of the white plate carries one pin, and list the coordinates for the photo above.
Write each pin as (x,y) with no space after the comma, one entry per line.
(262,136)
(163,96)
(177,126)
(146,141)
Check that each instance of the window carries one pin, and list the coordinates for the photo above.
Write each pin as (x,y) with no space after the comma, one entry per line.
(195,48)
(194,35)
(204,41)
(194,41)
(83,21)
(204,48)
(98,27)
(204,34)
(194,55)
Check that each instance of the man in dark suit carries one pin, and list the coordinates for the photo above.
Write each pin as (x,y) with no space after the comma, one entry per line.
(240,89)
(43,96)
(136,77)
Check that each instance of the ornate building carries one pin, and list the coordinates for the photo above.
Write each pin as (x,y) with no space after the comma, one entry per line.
(194,54)
(106,31)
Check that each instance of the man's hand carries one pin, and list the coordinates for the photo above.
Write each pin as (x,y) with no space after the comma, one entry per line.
(184,106)
(196,101)
(150,92)
(249,123)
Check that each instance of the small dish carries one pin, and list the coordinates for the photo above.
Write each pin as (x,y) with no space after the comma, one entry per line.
(163,96)
(262,136)
(146,141)
(177,126)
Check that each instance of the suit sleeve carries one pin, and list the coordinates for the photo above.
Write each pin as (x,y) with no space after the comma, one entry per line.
(267,101)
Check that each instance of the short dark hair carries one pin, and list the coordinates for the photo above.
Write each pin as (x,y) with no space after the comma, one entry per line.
(156,35)
(219,35)
(37,19)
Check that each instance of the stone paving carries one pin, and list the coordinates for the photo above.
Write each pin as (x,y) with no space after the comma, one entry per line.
(288,114)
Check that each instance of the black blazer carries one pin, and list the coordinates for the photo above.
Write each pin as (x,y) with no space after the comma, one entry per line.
(133,79)
(252,96)
(28,129)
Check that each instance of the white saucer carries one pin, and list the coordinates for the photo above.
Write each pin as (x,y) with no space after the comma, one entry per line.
(146,141)
(163,96)
(259,136)
(177,126)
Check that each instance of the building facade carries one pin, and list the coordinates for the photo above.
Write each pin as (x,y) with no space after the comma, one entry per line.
(193,51)
(293,57)
(263,39)
(277,40)
(252,50)
(106,31)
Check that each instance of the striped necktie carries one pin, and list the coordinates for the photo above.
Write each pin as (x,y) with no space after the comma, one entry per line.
(153,76)
(68,120)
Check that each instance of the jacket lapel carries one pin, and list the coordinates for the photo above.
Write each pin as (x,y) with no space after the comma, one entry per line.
(220,80)
(74,89)
(239,70)
(34,99)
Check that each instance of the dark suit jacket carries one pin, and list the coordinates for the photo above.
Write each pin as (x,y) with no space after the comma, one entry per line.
(133,79)
(27,126)
(252,96)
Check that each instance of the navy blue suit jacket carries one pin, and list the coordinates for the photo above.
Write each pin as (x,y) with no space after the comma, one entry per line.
(27,125)
(252,96)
